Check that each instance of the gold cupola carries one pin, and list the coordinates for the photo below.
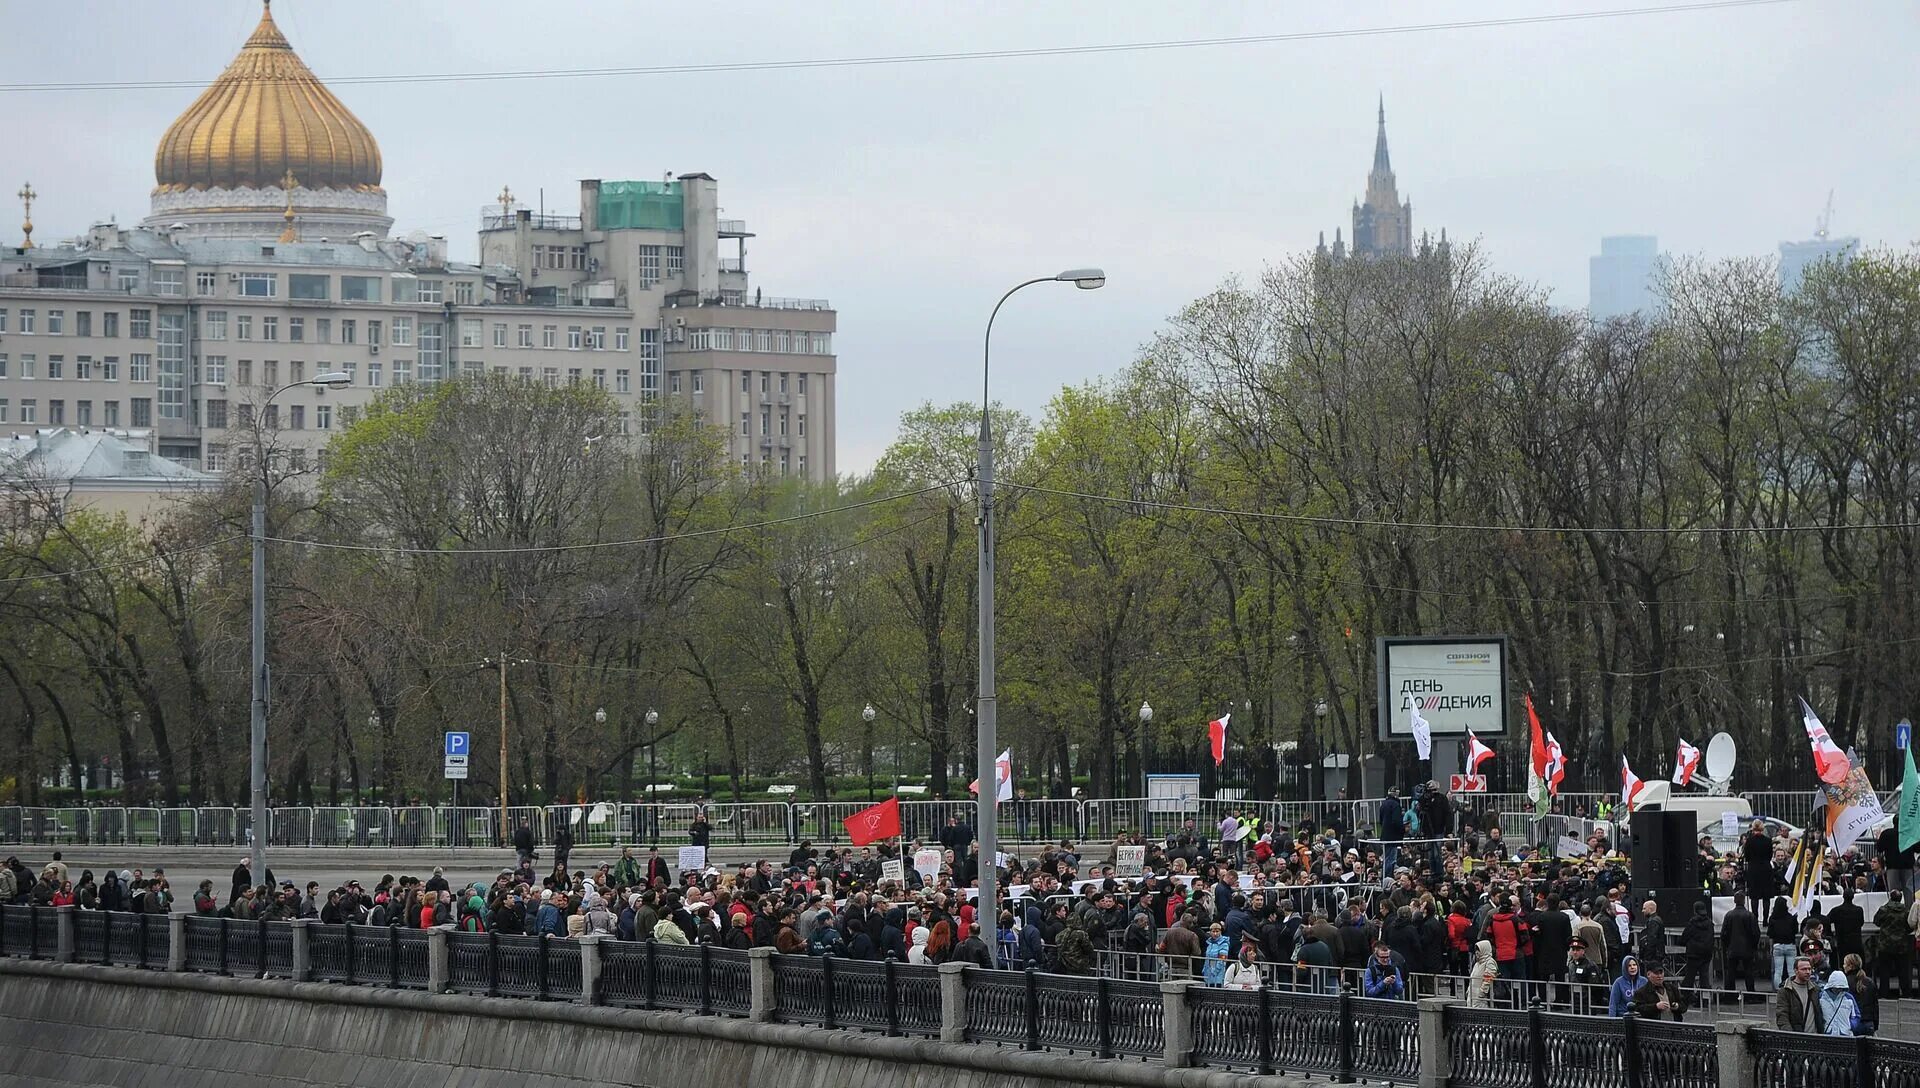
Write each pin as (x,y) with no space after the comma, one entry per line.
(221,167)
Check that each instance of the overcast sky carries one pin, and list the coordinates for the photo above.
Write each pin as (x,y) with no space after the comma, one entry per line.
(911,195)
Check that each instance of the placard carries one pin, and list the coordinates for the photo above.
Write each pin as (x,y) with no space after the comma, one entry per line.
(1130,861)
(1729,825)
(693,858)
(894,869)
(1570,847)
(927,862)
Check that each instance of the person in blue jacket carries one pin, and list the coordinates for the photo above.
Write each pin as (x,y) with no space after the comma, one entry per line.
(1384,978)
(1620,1002)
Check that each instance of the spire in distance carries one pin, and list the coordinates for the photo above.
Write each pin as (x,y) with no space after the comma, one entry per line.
(1380,163)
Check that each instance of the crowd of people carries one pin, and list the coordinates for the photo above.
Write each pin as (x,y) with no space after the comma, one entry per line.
(1427,902)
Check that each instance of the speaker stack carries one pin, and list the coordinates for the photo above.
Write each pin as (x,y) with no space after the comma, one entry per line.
(1665,864)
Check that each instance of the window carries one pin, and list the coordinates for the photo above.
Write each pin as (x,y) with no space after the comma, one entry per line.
(110,324)
(766,421)
(359,288)
(676,260)
(783,421)
(83,323)
(573,338)
(217,414)
(800,424)
(525,333)
(270,373)
(402,371)
(140,368)
(433,291)
(28,367)
(599,377)
(348,369)
(597,338)
(56,322)
(823,343)
(373,334)
(550,376)
(243,327)
(349,331)
(323,330)
(783,462)
(297,329)
(573,375)
(110,368)
(216,458)
(781,341)
(270,328)
(169,281)
(623,381)
(299,417)
(783,381)
(3,364)
(699,386)
(110,410)
(243,372)
(83,412)
(763,339)
(402,331)
(470,332)
(620,339)
(526,374)
(3,409)
(297,371)
(56,367)
(323,417)
(570,258)
(373,375)
(433,349)
(765,379)
(500,334)
(702,339)
(29,410)
(463,292)
(649,367)
(549,336)
(3,319)
(215,325)
(270,418)
(473,368)
(128,278)
(259,285)
(140,324)
(673,381)
(83,368)
(26,329)
(348,414)
(142,412)
(205,283)
(803,464)
(405,289)
(649,265)
(745,377)
(746,423)
(803,385)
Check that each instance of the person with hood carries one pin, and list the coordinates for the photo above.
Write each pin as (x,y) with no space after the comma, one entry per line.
(668,931)
(1892,945)
(1839,1012)
(1244,974)
(1074,952)
(474,918)
(1659,998)
(918,953)
(1698,940)
(1620,998)
(1481,974)
(1797,1005)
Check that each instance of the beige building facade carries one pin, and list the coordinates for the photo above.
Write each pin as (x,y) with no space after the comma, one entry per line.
(267,261)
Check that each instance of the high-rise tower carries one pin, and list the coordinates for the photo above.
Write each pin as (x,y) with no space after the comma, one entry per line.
(1382,222)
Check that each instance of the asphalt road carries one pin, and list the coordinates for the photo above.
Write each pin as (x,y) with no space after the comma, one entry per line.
(186,867)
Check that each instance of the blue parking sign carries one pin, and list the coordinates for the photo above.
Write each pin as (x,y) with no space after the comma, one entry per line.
(457,744)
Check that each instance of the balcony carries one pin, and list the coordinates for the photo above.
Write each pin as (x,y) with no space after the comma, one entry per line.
(689,300)
(734,228)
(491,218)
(733,264)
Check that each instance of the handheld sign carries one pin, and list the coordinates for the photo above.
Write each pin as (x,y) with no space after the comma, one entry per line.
(1130,861)
(693,858)
(894,869)
(927,863)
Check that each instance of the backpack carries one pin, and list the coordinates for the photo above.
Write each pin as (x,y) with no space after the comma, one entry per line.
(473,924)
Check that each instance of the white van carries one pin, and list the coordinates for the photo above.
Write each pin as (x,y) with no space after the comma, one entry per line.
(1709,811)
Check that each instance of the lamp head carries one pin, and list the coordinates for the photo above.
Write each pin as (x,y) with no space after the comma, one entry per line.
(600,716)
(1146,711)
(333,379)
(866,713)
(1086,279)
(653,716)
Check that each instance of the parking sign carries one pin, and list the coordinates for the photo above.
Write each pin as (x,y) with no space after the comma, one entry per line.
(456,765)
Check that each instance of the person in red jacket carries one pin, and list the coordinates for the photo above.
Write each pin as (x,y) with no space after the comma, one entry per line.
(1507,929)
(1459,938)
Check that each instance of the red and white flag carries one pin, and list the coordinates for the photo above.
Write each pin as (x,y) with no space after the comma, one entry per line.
(1477,753)
(1630,785)
(1556,764)
(1685,762)
(1003,773)
(1217,733)
(1829,762)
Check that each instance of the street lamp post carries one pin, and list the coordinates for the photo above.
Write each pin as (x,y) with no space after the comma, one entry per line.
(985,748)
(1146,717)
(257,855)
(866,715)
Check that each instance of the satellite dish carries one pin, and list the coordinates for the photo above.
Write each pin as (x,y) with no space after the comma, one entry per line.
(1720,759)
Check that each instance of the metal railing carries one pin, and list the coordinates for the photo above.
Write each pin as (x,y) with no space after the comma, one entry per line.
(1784,1059)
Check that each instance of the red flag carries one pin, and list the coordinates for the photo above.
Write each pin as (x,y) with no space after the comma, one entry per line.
(1217,733)
(1631,785)
(1477,753)
(870,825)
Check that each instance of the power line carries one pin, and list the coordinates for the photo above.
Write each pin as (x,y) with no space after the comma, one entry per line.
(392,549)
(54,576)
(1474,527)
(938,58)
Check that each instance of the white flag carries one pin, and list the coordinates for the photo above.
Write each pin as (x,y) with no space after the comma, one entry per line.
(1422,732)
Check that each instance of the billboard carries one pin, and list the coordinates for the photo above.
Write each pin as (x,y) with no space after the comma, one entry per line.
(1459,684)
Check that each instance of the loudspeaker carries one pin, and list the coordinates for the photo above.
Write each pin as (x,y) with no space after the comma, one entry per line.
(1647,852)
(1683,850)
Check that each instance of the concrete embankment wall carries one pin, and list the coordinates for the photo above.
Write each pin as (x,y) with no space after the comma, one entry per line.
(79,1026)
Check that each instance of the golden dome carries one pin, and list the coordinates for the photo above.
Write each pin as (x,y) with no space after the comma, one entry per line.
(267,115)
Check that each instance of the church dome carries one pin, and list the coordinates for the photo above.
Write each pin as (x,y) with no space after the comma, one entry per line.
(264,117)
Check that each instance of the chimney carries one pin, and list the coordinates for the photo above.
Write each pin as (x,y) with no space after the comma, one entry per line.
(590,204)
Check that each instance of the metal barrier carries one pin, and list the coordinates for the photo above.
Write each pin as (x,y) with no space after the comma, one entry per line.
(1784,1059)
(417,825)
(468,825)
(215,827)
